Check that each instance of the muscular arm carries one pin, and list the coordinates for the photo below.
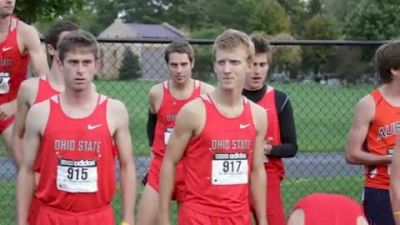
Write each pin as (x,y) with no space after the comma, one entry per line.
(122,138)
(154,98)
(185,128)
(288,148)
(36,120)
(31,43)
(24,100)
(363,116)
(257,174)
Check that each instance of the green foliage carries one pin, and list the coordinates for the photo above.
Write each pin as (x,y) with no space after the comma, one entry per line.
(286,59)
(130,68)
(297,12)
(319,27)
(45,10)
(373,20)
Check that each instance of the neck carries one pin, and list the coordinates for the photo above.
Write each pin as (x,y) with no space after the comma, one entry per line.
(55,77)
(392,88)
(247,88)
(79,98)
(4,22)
(228,97)
(182,86)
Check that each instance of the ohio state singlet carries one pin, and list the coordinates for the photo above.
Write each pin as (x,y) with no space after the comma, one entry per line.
(44,90)
(274,164)
(381,139)
(169,108)
(13,64)
(217,163)
(78,173)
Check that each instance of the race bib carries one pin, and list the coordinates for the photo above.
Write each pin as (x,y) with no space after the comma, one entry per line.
(77,176)
(167,134)
(4,82)
(229,169)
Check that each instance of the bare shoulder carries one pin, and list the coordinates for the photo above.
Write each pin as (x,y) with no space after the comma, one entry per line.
(27,32)
(156,91)
(366,106)
(259,115)
(28,90)
(116,107)
(38,114)
(193,108)
(206,88)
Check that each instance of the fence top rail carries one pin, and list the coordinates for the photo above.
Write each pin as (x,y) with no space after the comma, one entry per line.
(272,42)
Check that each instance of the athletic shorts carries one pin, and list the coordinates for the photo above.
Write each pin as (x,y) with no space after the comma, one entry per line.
(275,210)
(4,124)
(377,206)
(153,178)
(190,217)
(33,211)
(52,216)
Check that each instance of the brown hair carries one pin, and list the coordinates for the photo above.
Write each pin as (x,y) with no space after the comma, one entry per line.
(180,46)
(231,39)
(78,39)
(387,57)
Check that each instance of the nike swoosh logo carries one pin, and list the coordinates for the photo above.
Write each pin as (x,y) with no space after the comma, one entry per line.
(242,126)
(92,127)
(6,49)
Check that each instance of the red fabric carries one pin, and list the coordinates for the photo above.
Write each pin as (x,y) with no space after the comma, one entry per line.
(329,209)
(44,90)
(381,139)
(4,124)
(33,211)
(153,178)
(83,144)
(13,64)
(53,216)
(201,195)
(169,107)
(190,217)
(274,165)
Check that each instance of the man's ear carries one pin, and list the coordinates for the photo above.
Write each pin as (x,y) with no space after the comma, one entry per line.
(51,50)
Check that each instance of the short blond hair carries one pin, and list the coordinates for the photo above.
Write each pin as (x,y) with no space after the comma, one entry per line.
(231,39)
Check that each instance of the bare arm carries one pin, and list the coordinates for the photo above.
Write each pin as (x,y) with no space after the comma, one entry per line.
(122,138)
(185,128)
(35,123)
(24,101)
(154,98)
(257,174)
(31,44)
(363,116)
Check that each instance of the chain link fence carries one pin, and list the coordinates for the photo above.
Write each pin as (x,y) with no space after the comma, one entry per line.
(323,79)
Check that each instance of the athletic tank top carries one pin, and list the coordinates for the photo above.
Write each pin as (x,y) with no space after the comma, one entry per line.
(13,64)
(274,164)
(381,139)
(44,90)
(78,172)
(169,108)
(329,209)
(217,163)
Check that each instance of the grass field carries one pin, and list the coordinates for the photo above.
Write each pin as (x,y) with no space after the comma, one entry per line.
(322,114)
(292,189)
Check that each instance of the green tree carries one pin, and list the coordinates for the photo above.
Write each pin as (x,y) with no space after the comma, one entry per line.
(373,20)
(45,10)
(314,7)
(319,27)
(297,12)
(286,59)
(130,68)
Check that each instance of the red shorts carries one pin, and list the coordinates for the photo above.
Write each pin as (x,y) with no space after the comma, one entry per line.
(190,217)
(275,209)
(33,211)
(153,178)
(4,124)
(50,216)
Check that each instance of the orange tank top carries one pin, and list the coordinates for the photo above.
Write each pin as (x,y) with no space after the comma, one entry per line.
(381,139)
